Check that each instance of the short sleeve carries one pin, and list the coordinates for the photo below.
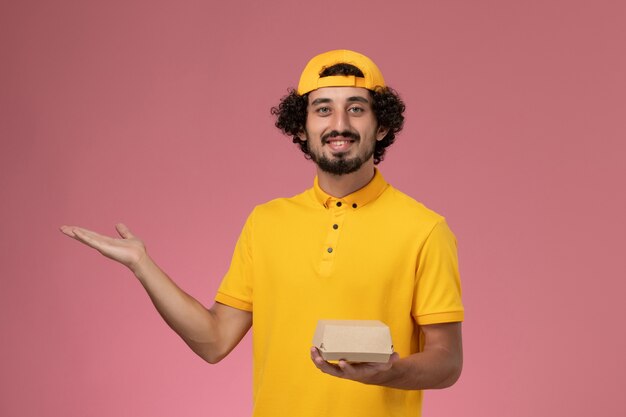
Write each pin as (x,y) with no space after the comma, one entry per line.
(437,296)
(236,287)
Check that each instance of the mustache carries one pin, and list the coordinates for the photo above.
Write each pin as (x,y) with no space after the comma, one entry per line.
(345,134)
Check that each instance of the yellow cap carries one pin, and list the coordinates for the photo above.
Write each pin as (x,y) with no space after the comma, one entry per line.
(310,79)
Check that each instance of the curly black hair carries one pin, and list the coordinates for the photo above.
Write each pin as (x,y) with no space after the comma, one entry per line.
(291,112)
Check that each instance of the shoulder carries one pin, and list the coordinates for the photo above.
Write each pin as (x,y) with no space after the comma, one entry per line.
(408,208)
(285,207)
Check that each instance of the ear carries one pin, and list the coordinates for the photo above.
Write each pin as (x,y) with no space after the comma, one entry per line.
(381,133)
(302,136)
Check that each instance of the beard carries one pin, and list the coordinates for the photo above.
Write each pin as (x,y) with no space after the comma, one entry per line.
(340,164)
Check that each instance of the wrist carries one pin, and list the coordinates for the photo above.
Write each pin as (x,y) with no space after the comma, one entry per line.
(141,268)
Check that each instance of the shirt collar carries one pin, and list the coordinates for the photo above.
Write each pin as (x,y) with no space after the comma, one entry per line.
(357,199)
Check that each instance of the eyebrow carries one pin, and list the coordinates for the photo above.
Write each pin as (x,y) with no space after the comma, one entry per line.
(350,99)
(359,99)
(321,100)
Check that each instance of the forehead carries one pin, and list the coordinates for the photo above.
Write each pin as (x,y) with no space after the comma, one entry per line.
(338,94)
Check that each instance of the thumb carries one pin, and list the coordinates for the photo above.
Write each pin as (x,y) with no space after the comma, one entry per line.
(123,231)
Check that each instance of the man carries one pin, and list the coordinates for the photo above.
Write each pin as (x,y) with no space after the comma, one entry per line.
(351,247)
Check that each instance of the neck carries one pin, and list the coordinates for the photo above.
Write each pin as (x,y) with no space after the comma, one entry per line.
(342,185)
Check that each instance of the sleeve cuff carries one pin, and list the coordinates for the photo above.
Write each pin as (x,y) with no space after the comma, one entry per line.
(233,302)
(436,318)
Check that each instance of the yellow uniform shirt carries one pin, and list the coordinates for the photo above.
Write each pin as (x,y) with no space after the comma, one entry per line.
(376,254)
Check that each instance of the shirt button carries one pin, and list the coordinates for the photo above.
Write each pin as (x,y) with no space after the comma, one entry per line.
(354,205)
(330,250)
(335,226)
(338,203)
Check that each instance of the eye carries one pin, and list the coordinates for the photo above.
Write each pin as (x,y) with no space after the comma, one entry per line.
(322,110)
(356,109)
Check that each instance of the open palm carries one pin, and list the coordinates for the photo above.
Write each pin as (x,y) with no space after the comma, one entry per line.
(129,250)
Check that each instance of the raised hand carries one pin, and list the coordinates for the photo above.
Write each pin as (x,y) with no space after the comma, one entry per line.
(129,250)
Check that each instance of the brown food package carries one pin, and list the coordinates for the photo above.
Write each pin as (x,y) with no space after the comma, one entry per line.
(353,340)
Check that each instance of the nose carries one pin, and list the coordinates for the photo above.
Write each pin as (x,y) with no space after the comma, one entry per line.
(341,121)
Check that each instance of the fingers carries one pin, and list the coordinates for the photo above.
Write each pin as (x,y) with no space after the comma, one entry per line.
(89,238)
(323,365)
(346,367)
(85,236)
(75,232)
(67,230)
(123,231)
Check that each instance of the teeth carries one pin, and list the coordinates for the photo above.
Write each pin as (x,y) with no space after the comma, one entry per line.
(339,142)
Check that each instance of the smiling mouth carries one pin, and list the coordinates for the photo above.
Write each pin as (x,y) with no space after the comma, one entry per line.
(339,145)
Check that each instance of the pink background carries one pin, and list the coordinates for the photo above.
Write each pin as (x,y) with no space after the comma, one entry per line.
(156,113)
